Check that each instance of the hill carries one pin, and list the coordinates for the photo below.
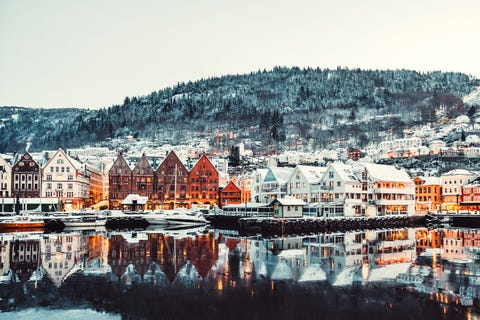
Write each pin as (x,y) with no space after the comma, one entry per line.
(280,107)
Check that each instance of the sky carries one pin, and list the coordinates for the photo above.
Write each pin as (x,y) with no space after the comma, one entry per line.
(92,54)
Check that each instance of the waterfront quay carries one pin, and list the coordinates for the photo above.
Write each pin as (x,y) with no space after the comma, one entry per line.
(268,225)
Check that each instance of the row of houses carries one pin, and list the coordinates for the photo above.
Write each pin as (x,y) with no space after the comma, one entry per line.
(353,188)
(60,178)
(367,189)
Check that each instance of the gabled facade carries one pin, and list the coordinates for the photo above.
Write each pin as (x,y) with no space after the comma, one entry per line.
(230,194)
(171,174)
(143,179)
(26,178)
(275,183)
(340,192)
(203,183)
(119,182)
(428,194)
(5,179)
(302,182)
(66,179)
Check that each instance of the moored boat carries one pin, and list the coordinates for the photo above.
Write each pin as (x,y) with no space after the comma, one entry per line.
(186,217)
(21,223)
(84,221)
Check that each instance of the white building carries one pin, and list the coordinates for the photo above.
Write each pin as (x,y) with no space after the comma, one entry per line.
(452,183)
(256,186)
(65,178)
(6,178)
(366,189)
(275,183)
(302,181)
(403,144)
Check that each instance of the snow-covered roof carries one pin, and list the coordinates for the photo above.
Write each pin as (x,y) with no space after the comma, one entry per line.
(430,181)
(290,201)
(134,197)
(381,172)
(345,171)
(280,174)
(458,172)
(313,174)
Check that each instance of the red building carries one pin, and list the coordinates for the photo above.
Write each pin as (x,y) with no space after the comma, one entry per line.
(119,182)
(353,154)
(26,178)
(169,171)
(142,180)
(203,183)
(230,194)
(471,195)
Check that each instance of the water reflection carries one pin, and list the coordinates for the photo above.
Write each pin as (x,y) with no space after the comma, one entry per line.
(437,265)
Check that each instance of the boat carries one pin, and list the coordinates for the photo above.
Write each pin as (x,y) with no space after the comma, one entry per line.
(84,221)
(191,217)
(21,223)
(156,218)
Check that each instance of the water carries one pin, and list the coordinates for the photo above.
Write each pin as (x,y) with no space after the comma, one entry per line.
(197,273)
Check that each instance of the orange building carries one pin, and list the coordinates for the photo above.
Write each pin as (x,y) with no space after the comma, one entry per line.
(230,194)
(203,183)
(428,194)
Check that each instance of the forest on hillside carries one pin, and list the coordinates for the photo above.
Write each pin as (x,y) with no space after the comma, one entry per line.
(317,107)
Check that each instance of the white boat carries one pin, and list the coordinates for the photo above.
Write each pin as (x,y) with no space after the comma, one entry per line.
(84,221)
(186,217)
(157,218)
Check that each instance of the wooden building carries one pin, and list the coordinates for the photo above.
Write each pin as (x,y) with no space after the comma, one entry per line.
(203,183)
(171,174)
(26,178)
(230,194)
(119,182)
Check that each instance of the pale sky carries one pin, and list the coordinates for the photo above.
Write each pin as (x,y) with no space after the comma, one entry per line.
(93,53)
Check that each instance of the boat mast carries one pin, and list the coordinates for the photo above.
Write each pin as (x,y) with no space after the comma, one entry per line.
(175,189)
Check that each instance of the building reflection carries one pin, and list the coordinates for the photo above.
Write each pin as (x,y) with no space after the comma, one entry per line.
(443,264)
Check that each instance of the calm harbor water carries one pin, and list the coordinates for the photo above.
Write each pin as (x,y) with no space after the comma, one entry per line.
(408,273)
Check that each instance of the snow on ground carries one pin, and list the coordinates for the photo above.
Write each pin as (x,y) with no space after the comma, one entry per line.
(473,97)
(58,314)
